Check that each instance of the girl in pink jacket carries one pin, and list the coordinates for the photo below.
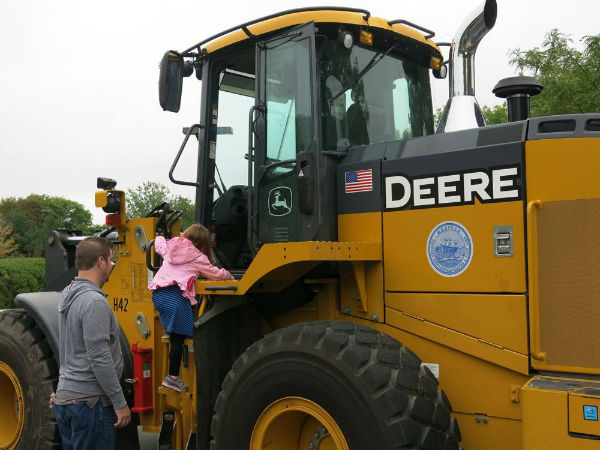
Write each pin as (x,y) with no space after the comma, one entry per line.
(173,289)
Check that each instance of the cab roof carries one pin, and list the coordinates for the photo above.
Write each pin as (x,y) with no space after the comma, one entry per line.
(323,14)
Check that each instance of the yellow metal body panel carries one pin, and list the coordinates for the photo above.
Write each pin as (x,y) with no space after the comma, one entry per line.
(459,341)
(277,265)
(546,421)
(480,431)
(407,268)
(321,16)
(473,385)
(562,203)
(182,404)
(363,227)
(101,199)
(500,320)
(476,387)
(579,400)
(552,176)
(128,297)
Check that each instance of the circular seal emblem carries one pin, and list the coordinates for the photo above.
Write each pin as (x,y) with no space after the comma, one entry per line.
(449,249)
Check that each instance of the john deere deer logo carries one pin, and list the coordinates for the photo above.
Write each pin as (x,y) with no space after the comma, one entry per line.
(280,201)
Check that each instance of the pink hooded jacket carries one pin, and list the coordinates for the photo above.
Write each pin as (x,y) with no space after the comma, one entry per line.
(182,262)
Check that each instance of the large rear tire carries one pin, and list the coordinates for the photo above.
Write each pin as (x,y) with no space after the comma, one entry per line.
(331,385)
(28,374)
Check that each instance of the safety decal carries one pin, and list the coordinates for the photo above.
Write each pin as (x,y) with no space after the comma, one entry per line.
(449,249)
(433,367)
(280,201)
(590,412)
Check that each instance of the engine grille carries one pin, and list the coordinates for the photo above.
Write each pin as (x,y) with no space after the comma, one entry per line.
(569,282)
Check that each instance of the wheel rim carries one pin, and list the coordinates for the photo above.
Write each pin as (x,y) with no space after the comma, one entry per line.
(296,423)
(12,403)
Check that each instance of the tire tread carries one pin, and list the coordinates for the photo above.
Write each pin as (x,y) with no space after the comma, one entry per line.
(20,328)
(417,413)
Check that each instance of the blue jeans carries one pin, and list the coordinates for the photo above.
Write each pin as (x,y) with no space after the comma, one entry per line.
(85,428)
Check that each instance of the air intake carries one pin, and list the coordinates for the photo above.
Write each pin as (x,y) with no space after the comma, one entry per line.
(517,91)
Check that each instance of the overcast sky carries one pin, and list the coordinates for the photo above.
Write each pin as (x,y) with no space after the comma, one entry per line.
(78,79)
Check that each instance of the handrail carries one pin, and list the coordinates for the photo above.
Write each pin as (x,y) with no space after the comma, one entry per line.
(250,204)
(187,136)
(149,264)
(532,263)
(244,26)
(429,34)
(283,162)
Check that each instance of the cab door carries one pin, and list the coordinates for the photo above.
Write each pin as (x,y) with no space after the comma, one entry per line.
(286,134)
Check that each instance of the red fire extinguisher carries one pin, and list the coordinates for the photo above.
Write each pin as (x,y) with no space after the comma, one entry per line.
(142,377)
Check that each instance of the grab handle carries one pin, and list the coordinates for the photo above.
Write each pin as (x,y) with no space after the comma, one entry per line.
(534,295)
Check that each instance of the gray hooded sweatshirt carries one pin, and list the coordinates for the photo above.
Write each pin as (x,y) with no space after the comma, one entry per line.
(91,361)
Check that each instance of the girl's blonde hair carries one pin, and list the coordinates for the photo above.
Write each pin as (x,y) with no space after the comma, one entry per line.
(200,237)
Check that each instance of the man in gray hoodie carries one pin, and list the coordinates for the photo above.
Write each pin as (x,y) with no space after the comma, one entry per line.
(89,403)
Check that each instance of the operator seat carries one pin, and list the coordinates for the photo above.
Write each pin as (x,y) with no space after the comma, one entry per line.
(356,123)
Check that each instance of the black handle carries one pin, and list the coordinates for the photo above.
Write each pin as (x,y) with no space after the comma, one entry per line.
(250,204)
(151,267)
(306,182)
(429,34)
(220,288)
(190,131)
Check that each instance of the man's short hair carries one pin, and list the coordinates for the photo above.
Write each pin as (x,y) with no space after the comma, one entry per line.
(89,250)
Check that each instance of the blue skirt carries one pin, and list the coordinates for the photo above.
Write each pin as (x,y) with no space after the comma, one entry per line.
(174,310)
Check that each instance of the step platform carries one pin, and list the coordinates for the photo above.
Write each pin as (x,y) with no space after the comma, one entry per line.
(561,413)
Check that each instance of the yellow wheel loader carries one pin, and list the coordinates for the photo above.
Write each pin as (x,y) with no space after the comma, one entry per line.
(396,286)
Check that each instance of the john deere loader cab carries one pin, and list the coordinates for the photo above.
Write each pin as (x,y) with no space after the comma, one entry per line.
(279,111)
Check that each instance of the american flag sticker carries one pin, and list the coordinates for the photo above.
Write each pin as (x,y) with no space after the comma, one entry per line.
(359,181)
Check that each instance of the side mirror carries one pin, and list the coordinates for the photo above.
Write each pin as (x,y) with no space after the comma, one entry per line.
(170,81)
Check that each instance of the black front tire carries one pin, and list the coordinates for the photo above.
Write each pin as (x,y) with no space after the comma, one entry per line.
(373,387)
(24,349)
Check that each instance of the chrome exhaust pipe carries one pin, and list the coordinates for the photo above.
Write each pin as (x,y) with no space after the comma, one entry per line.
(462,110)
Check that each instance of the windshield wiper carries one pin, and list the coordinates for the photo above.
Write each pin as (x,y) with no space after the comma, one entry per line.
(222,184)
(374,60)
(285,128)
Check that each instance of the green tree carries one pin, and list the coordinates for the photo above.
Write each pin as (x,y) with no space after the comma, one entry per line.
(33,217)
(7,241)
(186,207)
(571,77)
(143,198)
(495,115)
(437,117)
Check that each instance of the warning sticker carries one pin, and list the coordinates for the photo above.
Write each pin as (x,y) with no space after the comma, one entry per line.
(590,412)
(435,368)
(146,371)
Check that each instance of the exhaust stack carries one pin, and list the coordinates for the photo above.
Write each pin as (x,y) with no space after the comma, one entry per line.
(462,110)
